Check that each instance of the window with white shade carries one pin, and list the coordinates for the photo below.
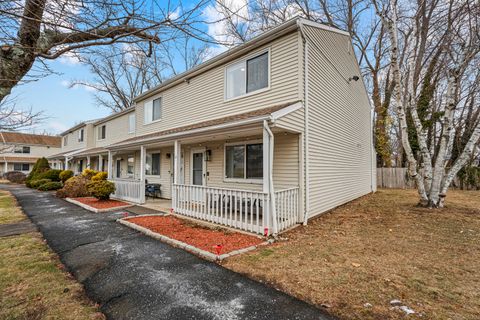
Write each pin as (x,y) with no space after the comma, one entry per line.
(102,132)
(130,164)
(244,161)
(80,135)
(247,76)
(65,141)
(152,164)
(153,110)
(131,123)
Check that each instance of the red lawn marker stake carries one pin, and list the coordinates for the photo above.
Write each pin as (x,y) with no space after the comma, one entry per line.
(125,214)
(218,248)
(265,231)
(171,210)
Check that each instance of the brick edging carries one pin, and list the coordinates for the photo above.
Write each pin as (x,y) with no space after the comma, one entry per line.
(189,248)
(92,209)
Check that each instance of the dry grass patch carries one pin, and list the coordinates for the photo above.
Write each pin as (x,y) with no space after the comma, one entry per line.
(33,284)
(9,212)
(378,248)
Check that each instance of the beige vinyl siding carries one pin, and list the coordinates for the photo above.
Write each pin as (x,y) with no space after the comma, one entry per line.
(74,144)
(294,121)
(285,167)
(116,130)
(202,97)
(35,151)
(340,141)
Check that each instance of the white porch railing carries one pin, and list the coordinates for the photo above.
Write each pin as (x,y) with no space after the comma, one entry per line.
(129,190)
(240,209)
(287,207)
(244,210)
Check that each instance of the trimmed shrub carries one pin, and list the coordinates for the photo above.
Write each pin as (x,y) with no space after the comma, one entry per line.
(74,187)
(89,173)
(37,183)
(40,167)
(101,189)
(52,185)
(52,174)
(65,175)
(15,176)
(100,176)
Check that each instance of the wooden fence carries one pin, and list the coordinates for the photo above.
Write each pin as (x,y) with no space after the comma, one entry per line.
(394,178)
(397,178)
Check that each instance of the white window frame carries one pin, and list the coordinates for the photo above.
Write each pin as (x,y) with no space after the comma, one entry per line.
(81,135)
(244,179)
(22,149)
(150,152)
(247,94)
(99,130)
(133,173)
(150,121)
(130,128)
(21,164)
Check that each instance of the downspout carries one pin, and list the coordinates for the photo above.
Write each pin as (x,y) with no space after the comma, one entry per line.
(270,178)
(306,124)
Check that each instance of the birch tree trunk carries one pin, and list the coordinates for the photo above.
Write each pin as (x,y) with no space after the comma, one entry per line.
(400,105)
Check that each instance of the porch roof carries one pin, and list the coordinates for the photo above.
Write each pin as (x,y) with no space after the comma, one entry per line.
(91,151)
(259,115)
(20,159)
(64,154)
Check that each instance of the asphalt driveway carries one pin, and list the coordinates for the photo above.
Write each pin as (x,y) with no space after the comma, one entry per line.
(135,277)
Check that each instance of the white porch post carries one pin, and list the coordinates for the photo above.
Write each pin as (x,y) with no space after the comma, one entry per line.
(100,162)
(142,173)
(88,165)
(109,165)
(66,163)
(6,167)
(268,144)
(177,155)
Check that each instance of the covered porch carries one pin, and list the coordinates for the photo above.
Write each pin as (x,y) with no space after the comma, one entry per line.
(245,175)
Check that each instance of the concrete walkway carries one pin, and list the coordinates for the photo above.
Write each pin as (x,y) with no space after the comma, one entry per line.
(135,277)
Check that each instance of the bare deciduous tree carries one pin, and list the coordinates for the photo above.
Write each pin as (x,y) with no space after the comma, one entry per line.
(441,42)
(34,30)
(123,72)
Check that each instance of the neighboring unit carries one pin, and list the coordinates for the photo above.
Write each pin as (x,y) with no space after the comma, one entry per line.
(20,151)
(260,138)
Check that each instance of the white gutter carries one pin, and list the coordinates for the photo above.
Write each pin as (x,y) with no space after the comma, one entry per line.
(307,126)
(270,178)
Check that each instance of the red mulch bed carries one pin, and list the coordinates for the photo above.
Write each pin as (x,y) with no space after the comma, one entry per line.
(101,204)
(198,236)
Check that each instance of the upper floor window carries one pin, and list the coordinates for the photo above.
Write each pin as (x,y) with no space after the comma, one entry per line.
(131,123)
(80,135)
(153,110)
(65,141)
(247,76)
(20,149)
(244,161)
(102,132)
